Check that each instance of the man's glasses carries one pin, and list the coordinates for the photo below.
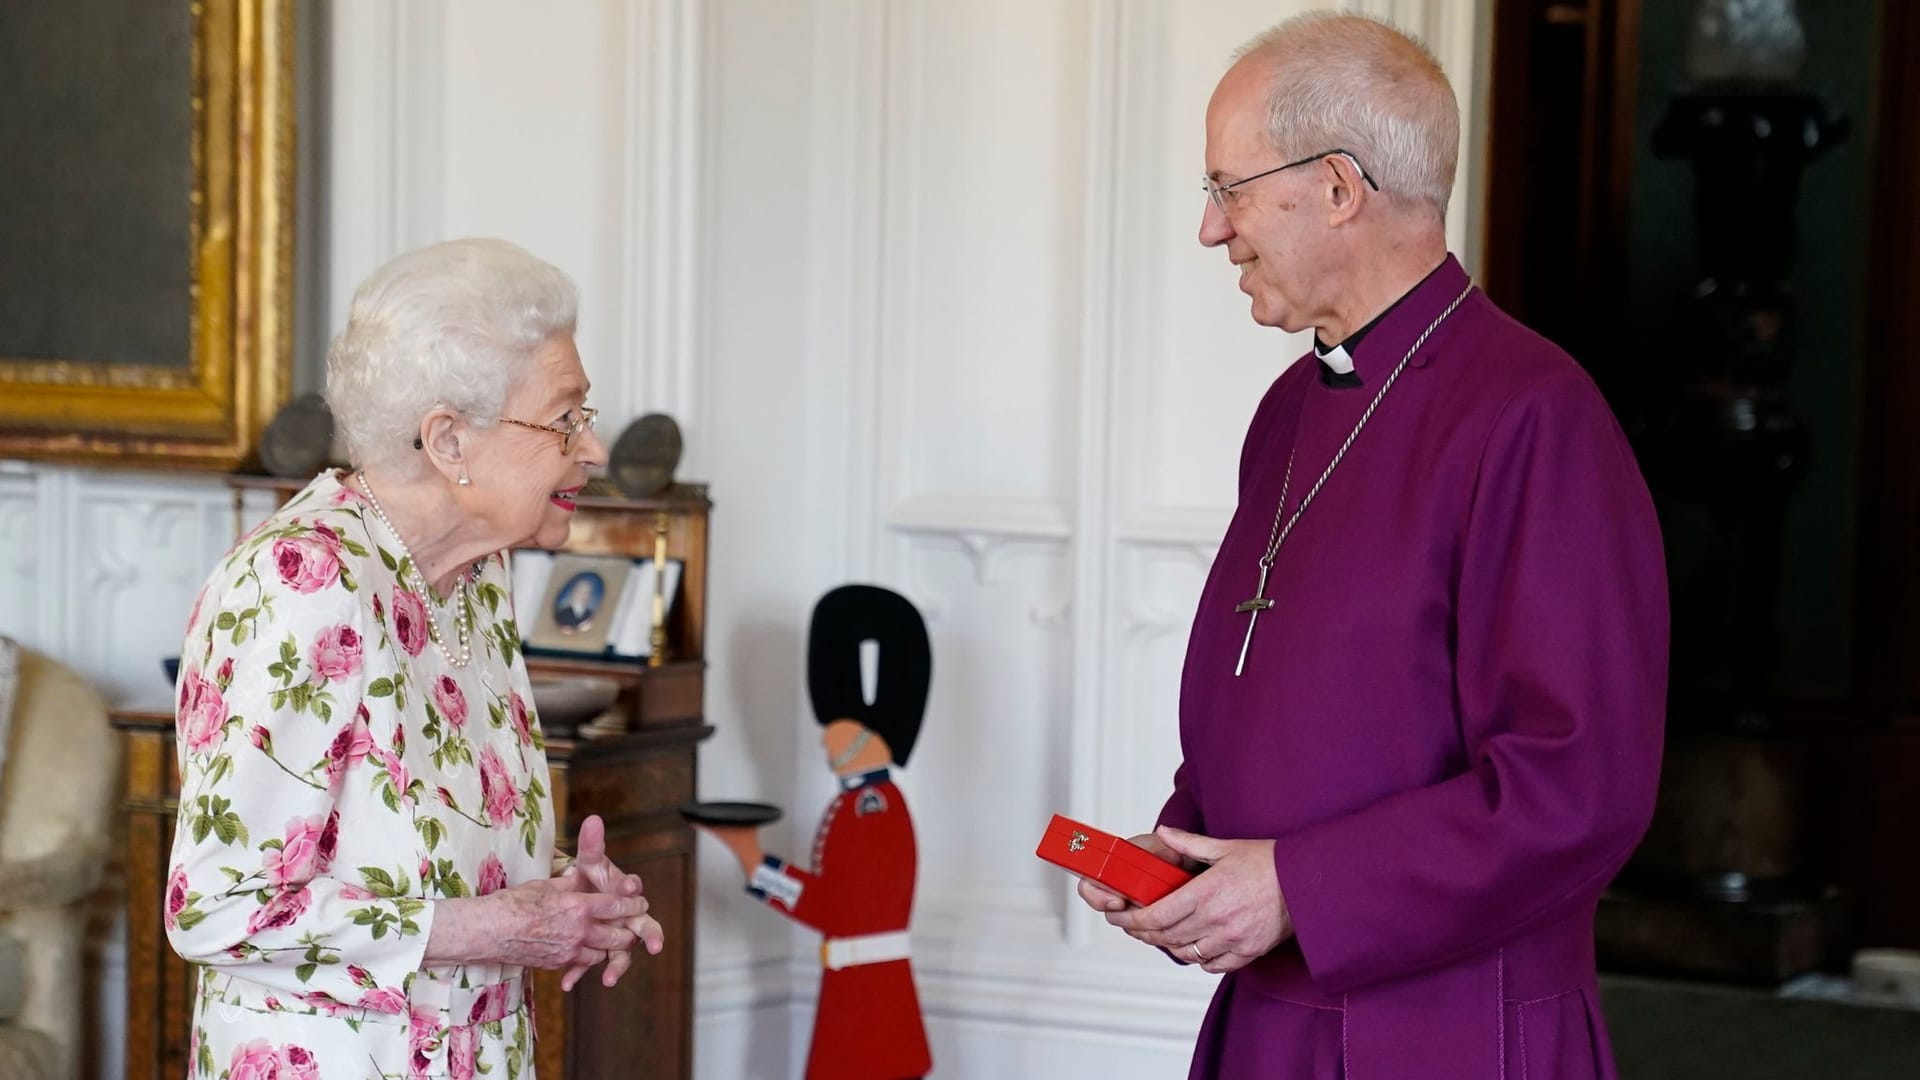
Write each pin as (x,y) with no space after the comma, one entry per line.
(567,434)
(1218,191)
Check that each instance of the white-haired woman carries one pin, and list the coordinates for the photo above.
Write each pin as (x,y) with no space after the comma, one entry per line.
(363,864)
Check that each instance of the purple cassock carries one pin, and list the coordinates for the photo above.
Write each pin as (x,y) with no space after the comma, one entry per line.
(1449,721)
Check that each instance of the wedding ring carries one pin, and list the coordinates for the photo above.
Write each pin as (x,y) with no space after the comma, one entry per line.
(1195,946)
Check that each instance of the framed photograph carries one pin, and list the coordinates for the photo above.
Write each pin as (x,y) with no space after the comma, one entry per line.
(146,228)
(579,606)
(590,605)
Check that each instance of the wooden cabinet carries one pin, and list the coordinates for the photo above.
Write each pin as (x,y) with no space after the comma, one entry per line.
(635,781)
(159,995)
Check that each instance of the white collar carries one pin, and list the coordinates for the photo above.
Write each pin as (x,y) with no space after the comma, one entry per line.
(1335,358)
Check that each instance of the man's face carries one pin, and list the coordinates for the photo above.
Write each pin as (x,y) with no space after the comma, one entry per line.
(1267,229)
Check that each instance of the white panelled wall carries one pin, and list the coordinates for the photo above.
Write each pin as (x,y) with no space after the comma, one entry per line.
(1026,385)
(919,281)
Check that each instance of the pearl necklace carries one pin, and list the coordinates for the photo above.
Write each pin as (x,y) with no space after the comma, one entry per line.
(462,622)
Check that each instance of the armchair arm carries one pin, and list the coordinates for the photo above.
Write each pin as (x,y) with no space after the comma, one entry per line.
(13,978)
(55,879)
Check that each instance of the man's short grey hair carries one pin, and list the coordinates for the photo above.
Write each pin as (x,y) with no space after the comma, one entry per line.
(454,325)
(1360,84)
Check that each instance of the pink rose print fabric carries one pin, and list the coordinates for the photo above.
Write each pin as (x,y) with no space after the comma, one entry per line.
(409,621)
(336,653)
(452,703)
(338,777)
(203,713)
(493,876)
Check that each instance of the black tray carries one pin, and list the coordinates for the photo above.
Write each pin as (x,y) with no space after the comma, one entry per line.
(730,813)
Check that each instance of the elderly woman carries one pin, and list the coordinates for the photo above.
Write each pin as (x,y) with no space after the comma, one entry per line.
(363,866)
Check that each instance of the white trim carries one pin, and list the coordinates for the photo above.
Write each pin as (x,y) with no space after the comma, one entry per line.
(1196,527)
(746,984)
(1114,990)
(844,281)
(419,121)
(662,223)
(1093,580)
(24,536)
(897,219)
(965,515)
(1124,73)
(361,168)
(1098,991)
(59,560)
(387,115)
(112,560)
(1108,1040)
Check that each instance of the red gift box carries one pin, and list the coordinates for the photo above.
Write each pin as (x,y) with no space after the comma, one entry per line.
(1126,868)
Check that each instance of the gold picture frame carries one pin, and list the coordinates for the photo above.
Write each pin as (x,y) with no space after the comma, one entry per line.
(204,405)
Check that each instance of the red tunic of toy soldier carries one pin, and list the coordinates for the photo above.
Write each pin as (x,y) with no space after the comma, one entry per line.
(858,891)
(859,895)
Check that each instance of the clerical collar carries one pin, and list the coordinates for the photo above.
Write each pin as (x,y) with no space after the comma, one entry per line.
(1336,361)
(1336,364)
(859,780)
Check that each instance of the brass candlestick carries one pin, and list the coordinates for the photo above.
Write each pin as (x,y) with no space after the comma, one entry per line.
(657,652)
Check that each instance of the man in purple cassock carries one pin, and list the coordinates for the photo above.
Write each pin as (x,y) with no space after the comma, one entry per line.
(1422,704)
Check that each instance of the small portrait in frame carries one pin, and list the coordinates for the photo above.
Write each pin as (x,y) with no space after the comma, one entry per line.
(578,604)
(578,600)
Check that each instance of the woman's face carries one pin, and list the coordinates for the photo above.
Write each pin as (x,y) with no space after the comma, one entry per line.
(523,486)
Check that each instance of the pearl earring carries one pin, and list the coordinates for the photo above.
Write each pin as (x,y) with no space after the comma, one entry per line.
(464,481)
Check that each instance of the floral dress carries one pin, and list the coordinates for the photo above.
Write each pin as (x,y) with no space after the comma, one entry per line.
(338,775)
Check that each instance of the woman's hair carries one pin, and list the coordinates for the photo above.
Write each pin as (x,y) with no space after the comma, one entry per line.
(454,325)
(1356,83)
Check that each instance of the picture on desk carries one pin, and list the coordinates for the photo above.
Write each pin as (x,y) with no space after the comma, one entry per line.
(578,600)
(598,606)
(572,602)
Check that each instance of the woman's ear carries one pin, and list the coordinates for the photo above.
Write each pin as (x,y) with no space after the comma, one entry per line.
(443,436)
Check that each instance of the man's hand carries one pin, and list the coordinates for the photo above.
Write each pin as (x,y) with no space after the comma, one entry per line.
(1102,899)
(1222,920)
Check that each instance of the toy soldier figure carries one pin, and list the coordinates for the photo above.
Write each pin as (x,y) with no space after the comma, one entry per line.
(859,889)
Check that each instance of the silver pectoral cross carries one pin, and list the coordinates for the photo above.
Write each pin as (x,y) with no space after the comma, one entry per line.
(1252,607)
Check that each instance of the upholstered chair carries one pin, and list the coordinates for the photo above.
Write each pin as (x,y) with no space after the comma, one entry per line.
(57,782)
